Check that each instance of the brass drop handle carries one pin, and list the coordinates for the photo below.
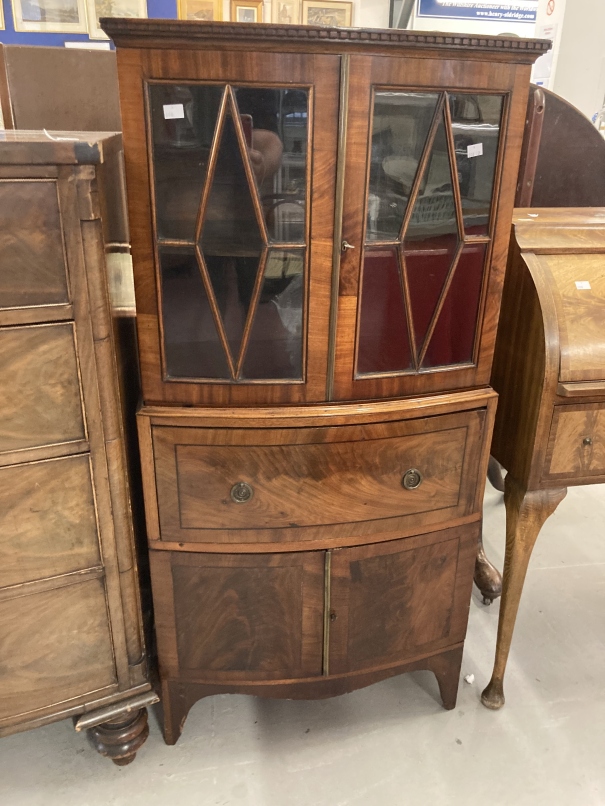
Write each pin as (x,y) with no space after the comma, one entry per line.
(412,479)
(587,441)
(241,492)
(346,245)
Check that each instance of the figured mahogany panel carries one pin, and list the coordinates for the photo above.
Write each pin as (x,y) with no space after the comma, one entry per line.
(393,601)
(56,646)
(32,256)
(301,480)
(239,617)
(40,400)
(48,523)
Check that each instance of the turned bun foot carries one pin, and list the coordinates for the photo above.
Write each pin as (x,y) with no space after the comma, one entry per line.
(493,695)
(119,739)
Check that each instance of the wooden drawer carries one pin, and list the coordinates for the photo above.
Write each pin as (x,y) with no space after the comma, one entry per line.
(312,483)
(32,254)
(56,646)
(48,524)
(40,396)
(576,446)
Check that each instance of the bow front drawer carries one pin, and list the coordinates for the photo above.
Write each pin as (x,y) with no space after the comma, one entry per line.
(261,485)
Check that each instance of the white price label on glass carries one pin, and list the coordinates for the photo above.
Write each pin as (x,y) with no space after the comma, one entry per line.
(172,111)
(474,150)
(582,285)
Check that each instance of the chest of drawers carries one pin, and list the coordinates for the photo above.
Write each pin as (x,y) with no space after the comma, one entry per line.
(71,635)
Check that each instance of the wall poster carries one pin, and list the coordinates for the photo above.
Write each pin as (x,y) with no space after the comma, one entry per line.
(479,10)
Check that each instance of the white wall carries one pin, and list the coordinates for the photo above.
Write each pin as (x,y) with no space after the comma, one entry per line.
(580,68)
(372,13)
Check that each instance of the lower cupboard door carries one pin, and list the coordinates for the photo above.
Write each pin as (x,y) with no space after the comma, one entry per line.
(239,617)
(393,602)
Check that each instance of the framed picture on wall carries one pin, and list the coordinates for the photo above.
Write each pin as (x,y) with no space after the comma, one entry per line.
(50,16)
(250,11)
(2,25)
(285,12)
(209,10)
(112,8)
(316,12)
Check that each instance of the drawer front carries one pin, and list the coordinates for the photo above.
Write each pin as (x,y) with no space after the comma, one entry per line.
(48,522)
(577,442)
(304,483)
(55,646)
(40,398)
(32,255)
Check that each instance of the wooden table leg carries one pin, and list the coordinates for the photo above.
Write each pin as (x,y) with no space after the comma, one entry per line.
(526,512)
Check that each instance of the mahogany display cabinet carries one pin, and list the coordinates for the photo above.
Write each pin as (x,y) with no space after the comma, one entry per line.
(319,223)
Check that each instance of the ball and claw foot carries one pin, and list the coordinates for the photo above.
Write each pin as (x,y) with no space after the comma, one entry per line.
(120,738)
(493,695)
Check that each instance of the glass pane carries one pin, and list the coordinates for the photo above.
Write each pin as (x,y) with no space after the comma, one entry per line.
(183,118)
(476,126)
(427,268)
(454,336)
(384,344)
(276,339)
(434,212)
(275,123)
(191,343)
(231,239)
(399,130)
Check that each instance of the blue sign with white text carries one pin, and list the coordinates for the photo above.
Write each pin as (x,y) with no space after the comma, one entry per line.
(479,10)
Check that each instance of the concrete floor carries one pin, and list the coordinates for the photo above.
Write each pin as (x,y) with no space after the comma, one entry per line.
(391,744)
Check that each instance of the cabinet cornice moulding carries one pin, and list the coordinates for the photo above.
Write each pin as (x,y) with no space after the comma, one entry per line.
(128,32)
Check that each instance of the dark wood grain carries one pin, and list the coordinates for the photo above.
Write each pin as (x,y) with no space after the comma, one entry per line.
(427,604)
(310,483)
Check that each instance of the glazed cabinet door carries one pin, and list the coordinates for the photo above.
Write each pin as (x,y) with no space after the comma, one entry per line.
(231,167)
(431,159)
(399,601)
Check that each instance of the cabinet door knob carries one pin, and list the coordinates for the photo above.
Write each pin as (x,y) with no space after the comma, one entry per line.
(412,479)
(241,492)
(587,441)
(346,245)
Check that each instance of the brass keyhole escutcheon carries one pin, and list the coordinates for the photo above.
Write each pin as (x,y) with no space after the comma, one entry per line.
(412,479)
(587,441)
(241,492)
